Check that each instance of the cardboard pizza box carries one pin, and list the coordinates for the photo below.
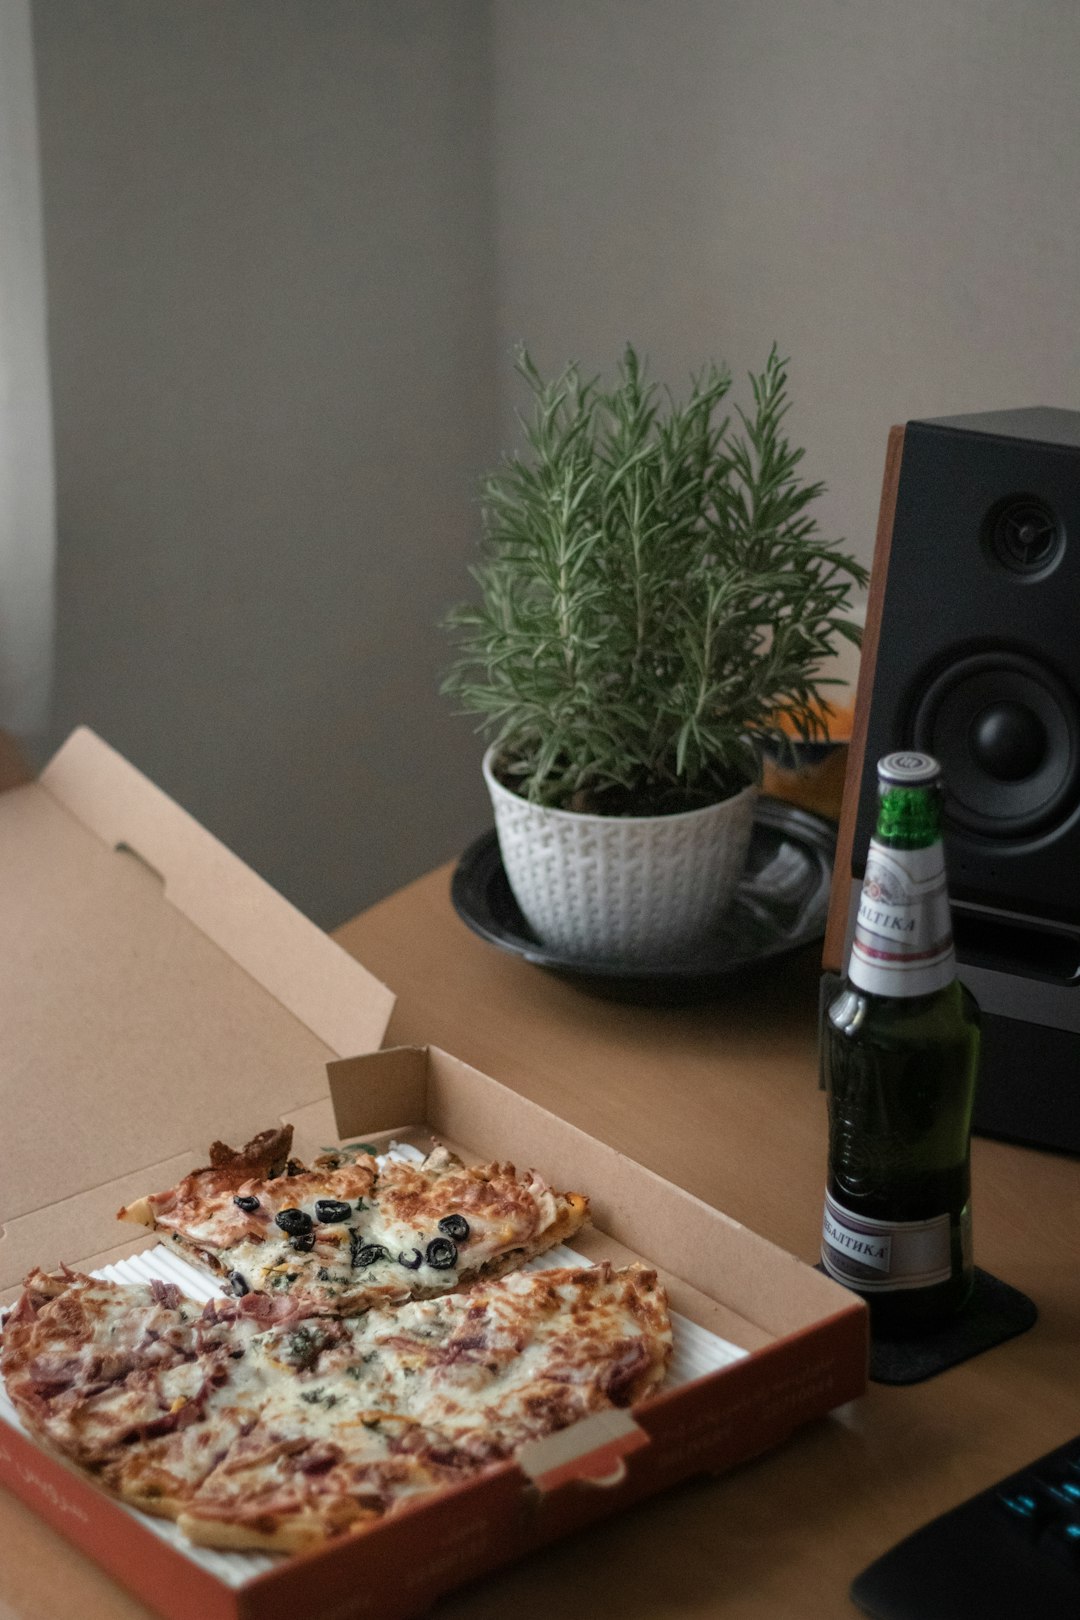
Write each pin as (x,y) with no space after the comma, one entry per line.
(159,994)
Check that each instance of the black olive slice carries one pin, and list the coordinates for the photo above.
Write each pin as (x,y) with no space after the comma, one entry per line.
(365,1254)
(293,1221)
(238,1283)
(331,1211)
(456,1227)
(303,1242)
(411,1259)
(246,1202)
(441,1254)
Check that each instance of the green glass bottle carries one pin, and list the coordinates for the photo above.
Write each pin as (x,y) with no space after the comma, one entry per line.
(900,1054)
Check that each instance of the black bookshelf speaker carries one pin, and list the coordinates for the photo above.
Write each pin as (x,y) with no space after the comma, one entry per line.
(972,653)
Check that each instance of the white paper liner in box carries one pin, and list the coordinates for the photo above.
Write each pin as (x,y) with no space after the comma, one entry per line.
(695,1351)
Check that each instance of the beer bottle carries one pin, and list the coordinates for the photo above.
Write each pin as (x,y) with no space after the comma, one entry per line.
(900,1053)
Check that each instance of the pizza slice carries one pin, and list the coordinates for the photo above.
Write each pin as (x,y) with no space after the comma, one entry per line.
(352,1232)
(104,1374)
(525,1356)
(364,1415)
(144,1388)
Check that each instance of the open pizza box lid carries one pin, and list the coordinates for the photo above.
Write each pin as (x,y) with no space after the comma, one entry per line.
(156,993)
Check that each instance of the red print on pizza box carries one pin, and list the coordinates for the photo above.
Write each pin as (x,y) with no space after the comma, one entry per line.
(160,995)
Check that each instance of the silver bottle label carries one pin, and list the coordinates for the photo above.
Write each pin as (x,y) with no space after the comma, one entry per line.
(882,1256)
(903,944)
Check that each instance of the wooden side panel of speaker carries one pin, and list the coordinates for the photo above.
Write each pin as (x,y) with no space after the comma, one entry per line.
(836,928)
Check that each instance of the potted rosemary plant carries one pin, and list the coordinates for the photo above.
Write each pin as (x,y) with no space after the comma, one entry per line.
(653,595)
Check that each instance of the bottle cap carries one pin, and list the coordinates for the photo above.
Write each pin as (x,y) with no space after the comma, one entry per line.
(908,769)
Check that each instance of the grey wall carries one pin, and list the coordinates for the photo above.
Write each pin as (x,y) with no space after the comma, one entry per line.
(290,244)
(270,283)
(888,189)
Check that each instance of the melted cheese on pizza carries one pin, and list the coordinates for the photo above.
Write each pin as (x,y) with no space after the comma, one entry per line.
(506,1362)
(89,1366)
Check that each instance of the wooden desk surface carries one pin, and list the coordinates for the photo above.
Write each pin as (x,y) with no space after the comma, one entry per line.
(721,1097)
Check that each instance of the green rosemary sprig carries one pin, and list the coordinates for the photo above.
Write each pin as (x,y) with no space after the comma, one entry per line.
(652,590)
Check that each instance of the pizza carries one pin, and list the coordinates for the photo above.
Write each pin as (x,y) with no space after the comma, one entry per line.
(254,1425)
(352,1232)
(89,1365)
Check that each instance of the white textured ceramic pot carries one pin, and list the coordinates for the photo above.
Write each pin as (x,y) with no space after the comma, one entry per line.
(621,888)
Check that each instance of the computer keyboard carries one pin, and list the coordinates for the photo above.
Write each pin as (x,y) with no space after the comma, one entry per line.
(1010,1553)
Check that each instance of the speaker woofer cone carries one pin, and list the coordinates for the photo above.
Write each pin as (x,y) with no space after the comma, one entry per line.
(1007,732)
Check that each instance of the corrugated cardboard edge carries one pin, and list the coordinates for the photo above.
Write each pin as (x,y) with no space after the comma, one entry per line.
(302,968)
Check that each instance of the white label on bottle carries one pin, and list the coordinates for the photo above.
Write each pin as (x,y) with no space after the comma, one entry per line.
(878,1256)
(903,944)
(869,1249)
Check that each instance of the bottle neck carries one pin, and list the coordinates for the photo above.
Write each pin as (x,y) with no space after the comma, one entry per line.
(903,943)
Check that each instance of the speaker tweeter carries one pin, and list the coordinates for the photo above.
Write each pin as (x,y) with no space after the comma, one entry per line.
(1024,535)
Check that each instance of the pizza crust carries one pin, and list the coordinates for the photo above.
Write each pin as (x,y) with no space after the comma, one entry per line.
(158,1507)
(296,1534)
(140,1212)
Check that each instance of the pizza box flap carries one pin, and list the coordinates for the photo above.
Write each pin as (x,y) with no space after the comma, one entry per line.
(156,994)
